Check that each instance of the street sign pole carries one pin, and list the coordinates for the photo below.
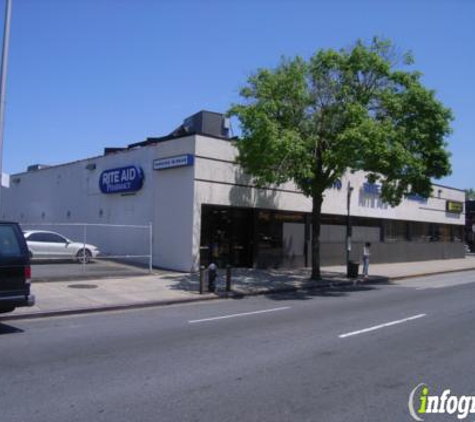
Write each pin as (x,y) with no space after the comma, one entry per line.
(3,79)
(348,227)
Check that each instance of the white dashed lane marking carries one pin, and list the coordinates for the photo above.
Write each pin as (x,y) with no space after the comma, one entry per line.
(238,315)
(377,327)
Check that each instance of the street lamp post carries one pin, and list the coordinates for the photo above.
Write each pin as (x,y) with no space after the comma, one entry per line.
(348,228)
(3,79)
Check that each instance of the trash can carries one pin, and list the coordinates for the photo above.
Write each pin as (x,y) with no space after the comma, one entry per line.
(352,269)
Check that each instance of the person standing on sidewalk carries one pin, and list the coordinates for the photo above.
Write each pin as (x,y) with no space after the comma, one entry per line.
(366,255)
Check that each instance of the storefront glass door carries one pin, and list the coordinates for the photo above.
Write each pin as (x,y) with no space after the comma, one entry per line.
(226,236)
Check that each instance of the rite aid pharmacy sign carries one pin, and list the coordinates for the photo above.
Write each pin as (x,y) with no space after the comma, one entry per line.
(120,180)
(173,162)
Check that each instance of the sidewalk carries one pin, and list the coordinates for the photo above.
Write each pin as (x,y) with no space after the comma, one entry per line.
(401,270)
(163,288)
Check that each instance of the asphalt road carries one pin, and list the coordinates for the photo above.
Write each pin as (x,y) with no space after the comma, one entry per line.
(352,355)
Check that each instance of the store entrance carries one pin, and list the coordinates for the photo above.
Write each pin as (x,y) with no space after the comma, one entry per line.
(226,236)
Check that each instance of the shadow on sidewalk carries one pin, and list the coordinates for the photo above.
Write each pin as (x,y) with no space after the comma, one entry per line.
(276,284)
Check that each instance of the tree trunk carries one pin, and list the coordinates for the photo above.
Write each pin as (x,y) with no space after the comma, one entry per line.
(317,201)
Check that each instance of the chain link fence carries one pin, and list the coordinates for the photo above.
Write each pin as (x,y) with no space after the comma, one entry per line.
(64,251)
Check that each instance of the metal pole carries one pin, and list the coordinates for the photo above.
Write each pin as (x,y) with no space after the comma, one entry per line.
(84,250)
(202,279)
(150,239)
(3,78)
(348,229)
(228,278)
(212,269)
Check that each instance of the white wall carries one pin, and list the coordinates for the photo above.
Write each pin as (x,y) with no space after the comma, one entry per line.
(46,196)
(173,205)
(165,200)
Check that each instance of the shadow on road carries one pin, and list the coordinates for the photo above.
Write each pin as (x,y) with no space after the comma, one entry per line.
(329,292)
(8,329)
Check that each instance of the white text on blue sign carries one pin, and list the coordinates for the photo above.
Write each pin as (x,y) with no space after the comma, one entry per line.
(173,162)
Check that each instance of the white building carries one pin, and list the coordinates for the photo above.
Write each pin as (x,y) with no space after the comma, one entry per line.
(202,206)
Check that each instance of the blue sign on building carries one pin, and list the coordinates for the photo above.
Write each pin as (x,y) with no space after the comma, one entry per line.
(337,185)
(123,179)
(416,197)
(372,188)
(173,162)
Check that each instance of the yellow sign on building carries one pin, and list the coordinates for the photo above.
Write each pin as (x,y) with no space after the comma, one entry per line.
(454,206)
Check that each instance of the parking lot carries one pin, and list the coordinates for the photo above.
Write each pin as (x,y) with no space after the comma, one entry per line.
(70,270)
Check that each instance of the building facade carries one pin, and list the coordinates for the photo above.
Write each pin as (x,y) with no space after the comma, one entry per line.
(470,224)
(203,207)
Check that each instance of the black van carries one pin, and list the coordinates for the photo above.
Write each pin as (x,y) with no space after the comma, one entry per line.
(15,270)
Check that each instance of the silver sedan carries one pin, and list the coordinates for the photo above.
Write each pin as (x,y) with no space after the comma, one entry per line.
(52,245)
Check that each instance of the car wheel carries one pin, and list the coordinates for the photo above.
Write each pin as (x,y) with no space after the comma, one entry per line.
(84,256)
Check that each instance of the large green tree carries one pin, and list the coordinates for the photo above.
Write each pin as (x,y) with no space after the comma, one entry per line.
(310,121)
(470,194)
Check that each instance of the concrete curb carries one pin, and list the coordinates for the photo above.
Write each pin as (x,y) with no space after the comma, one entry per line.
(158,303)
(429,274)
(108,308)
(220,295)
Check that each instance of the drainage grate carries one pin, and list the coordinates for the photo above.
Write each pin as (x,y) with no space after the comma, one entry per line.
(83,286)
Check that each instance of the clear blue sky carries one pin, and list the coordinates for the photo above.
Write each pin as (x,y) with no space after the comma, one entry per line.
(86,74)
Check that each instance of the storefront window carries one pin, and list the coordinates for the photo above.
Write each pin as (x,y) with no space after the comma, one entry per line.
(457,233)
(269,238)
(442,233)
(226,236)
(280,238)
(244,237)
(431,232)
(421,232)
(395,231)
